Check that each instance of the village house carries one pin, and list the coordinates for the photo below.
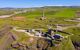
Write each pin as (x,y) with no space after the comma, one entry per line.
(38,33)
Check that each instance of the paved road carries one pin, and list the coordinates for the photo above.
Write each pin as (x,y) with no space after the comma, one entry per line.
(6,16)
(32,35)
(18,30)
(29,34)
(64,28)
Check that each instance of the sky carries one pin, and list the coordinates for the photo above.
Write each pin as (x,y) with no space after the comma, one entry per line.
(37,3)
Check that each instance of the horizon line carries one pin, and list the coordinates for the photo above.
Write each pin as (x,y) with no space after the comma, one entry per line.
(43,6)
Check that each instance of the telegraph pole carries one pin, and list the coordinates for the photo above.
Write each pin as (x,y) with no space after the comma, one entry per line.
(43,14)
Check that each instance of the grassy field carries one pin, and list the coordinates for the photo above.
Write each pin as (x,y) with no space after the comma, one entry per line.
(64,46)
(76,32)
(64,13)
(53,16)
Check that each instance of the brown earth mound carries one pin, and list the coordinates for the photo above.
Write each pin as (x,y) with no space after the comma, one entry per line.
(21,18)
